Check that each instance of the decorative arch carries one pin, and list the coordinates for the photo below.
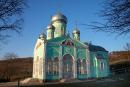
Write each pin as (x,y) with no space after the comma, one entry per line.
(84,66)
(68,66)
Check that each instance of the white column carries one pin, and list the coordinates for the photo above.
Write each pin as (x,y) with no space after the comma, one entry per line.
(96,64)
(44,62)
(88,64)
(75,68)
(75,63)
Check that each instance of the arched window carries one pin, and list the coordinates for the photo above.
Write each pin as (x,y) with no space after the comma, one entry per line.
(101,65)
(78,66)
(49,66)
(84,67)
(56,66)
(40,66)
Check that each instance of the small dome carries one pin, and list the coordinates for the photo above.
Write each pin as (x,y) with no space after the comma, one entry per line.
(59,16)
(50,26)
(76,31)
(42,35)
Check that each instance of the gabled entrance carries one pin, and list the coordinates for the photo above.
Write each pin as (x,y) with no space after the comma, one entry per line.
(68,70)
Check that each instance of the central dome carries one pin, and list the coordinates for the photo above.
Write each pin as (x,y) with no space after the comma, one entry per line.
(59,17)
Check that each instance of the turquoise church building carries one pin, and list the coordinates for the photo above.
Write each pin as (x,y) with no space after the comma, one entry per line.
(58,56)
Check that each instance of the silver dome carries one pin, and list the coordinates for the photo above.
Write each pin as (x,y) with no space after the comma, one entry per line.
(42,35)
(76,31)
(50,26)
(59,16)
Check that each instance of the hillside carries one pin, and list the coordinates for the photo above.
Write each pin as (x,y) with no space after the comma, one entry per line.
(14,69)
(119,56)
(20,68)
(119,62)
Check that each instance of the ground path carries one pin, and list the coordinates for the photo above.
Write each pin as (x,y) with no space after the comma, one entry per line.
(76,83)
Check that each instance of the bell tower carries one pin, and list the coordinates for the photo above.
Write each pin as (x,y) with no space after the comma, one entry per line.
(76,34)
(50,31)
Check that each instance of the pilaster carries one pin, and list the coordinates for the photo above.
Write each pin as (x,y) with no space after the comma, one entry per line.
(44,62)
(60,63)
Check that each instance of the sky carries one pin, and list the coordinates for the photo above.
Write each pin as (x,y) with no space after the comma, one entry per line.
(38,15)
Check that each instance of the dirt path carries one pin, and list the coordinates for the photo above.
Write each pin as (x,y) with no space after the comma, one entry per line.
(9,84)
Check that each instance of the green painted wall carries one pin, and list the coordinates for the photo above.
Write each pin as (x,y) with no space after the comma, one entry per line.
(68,50)
(81,53)
(95,64)
(52,51)
(55,49)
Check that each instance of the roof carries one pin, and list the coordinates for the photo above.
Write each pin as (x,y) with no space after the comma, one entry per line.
(95,48)
(59,16)
(59,40)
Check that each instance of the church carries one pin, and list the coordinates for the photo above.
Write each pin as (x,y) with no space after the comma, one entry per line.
(58,56)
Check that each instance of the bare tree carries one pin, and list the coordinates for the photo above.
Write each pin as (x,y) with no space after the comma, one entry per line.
(11,17)
(117,17)
(10,67)
(127,47)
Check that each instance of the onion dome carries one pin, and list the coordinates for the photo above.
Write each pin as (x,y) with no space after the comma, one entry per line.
(42,36)
(59,17)
(50,26)
(76,31)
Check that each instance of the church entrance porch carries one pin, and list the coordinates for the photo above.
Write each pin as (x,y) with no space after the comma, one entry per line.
(68,67)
